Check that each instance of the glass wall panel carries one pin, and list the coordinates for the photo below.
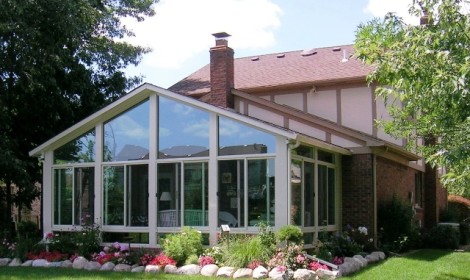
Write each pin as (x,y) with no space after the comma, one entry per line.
(168,195)
(183,131)
(231,193)
(84,195)
(296,192)
(331,196)
(309,194)
(113,195)
(196,198)
(126,137)
(326,156)
(137,195)
(236,138)
(63,193)
(261,192)
(304,151)
(322,195)
(81,149)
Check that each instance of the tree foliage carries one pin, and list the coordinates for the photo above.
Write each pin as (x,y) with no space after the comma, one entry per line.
(60,60)
(423,73)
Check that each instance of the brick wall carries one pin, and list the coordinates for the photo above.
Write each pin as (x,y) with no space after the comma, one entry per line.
(221,75)
(358,191)
(397,179)
(435,197)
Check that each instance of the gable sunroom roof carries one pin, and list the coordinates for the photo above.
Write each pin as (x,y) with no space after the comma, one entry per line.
(133,98)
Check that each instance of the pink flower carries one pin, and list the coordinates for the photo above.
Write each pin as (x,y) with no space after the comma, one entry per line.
(300,258)
(116,245)
(124,247)
(281,268)
(106,249)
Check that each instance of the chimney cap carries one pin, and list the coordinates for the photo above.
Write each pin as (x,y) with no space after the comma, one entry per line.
(220,35)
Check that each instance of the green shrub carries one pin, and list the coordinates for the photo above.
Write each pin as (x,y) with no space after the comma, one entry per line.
(394,219)
(442,237)
(180,246)
(28,229)
(88,238)
(464,233)
(289,233)
(193,259)
(239,251)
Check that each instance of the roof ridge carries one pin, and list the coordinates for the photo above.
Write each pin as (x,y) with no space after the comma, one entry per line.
(294,51)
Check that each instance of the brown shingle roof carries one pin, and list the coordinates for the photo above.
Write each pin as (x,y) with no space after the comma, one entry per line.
(283,69)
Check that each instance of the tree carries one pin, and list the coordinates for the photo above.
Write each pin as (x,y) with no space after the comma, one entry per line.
(423,73)
(60,60)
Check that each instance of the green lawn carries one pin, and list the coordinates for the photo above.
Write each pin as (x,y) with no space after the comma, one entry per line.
(423,264)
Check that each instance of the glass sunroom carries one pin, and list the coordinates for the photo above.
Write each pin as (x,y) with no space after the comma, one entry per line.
(155,161)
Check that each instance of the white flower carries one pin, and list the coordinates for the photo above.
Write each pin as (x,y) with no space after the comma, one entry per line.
(362,230)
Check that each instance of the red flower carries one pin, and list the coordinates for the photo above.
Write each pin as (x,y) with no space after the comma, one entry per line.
(162,260)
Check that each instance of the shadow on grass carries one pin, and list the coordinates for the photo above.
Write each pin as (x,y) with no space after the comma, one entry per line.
(450,276)
(427,255)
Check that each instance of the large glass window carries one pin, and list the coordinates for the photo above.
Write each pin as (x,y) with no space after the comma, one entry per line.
(84,194)
(326,194)
(183,131)
(168,195)
(81,149)
(63,194)
(261,192)
(125,195)
(253,198)
(313,187)
(195,194)
(73,195)
(126,137)
(231,193)
(236,138)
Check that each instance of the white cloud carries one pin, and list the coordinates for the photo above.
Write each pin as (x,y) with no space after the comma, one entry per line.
(182,29)
(379,8)
(128,127)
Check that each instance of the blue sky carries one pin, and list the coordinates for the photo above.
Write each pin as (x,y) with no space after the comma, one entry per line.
(180,32)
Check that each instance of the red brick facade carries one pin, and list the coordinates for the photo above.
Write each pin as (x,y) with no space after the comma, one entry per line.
(221,75)
(358,191)
(360,197)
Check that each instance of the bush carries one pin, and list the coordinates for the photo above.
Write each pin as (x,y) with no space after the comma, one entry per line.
(464,233)
(240,251)
(394,221)
(289,233)
(180,246)
(28,229)
(442,237)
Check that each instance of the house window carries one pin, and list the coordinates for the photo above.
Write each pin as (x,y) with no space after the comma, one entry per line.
(125,195)
(236,138)
(73,195)
(313,188)
(126,137)
(246,201)
(79,150)
(168,195)
(419,189)
(196,198)
(183,131)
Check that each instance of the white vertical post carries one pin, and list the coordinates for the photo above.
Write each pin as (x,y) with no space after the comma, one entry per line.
(152,192)
(213,212)
(48,192)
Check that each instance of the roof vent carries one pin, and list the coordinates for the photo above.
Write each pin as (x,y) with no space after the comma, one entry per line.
(255,58)
(281,55)
(345,56)
(336,49)
(308,52)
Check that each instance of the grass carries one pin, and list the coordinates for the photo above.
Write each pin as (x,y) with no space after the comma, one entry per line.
(422,265)
(419,265)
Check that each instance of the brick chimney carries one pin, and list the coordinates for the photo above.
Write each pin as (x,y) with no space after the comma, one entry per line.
(222,72)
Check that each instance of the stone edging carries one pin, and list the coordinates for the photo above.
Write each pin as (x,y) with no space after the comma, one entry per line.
(349,266)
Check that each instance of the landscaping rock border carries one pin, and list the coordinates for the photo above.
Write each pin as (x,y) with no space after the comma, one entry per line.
(349,266)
